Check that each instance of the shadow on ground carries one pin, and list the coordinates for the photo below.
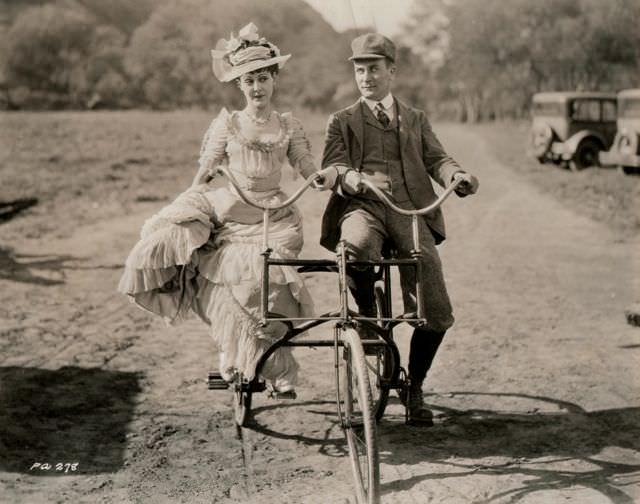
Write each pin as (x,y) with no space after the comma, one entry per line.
(10,209)
(68,415)
(38,269)
(331,442)
(556,446)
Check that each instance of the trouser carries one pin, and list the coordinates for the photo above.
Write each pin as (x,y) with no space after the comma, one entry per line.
(364,228)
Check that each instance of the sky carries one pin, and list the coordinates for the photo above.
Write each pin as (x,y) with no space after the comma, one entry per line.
(384,15)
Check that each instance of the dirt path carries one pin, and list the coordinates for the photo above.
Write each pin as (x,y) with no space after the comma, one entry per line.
(536,387)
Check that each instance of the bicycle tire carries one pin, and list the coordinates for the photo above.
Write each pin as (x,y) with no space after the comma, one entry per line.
(359,422)
(241,401)
(381,363)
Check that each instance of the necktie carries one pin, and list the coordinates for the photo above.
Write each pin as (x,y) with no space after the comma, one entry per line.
(381,115)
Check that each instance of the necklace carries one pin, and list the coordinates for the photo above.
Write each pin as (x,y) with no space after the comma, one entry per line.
(259,121)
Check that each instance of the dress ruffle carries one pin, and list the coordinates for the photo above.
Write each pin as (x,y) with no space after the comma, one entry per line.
(182,265)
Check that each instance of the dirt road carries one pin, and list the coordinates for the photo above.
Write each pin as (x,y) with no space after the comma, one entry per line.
(536,388)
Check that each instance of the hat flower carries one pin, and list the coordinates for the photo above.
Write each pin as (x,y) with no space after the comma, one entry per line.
(245,52)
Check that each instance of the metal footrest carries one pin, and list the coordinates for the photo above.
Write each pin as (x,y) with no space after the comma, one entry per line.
(216,381)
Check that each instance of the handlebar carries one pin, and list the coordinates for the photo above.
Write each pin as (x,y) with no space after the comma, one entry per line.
(420,211)
(279,206)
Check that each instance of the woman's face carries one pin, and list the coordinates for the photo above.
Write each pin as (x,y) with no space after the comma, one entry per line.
(257,88)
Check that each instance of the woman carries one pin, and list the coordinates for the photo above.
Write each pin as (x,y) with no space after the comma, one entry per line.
(201,254)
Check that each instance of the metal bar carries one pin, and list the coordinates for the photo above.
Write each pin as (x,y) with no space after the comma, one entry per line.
(265,229)
(342,272)
(312,343)
(419,286)
(303,262)
(387,291)
(264,305)
(255,204)
(420,211)
(416,232)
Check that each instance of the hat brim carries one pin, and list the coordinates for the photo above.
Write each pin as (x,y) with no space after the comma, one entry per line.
(367,56)
(226,73)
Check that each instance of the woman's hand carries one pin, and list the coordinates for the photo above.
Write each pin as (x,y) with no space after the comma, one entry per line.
(203,177)
(326,178)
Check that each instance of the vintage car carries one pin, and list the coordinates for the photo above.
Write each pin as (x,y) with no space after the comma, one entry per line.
(571,128)
(625,151)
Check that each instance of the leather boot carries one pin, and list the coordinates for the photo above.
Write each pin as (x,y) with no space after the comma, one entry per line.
(419,414)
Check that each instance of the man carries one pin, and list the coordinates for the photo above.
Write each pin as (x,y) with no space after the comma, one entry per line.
(381,139)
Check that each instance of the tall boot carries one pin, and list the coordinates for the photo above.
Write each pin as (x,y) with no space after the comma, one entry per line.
(424,345)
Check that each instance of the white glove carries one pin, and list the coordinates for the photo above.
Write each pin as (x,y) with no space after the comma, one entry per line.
(352,182)
(327,178)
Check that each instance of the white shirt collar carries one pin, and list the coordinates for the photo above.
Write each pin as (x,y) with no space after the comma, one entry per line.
(387,103)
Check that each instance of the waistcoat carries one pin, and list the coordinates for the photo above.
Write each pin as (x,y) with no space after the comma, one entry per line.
(382,163)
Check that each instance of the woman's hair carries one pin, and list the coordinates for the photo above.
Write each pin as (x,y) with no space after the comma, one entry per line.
(272,69)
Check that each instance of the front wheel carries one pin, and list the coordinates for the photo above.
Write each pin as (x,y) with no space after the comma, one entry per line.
(381,362)
(586,155)
(358,420)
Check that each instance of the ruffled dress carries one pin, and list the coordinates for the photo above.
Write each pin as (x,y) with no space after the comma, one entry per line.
(201,253)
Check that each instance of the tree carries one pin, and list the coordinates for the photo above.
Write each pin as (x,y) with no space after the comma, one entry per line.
(61,38)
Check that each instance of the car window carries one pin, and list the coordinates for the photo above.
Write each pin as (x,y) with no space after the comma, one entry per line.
(608,111)
(585,110)
(630,108)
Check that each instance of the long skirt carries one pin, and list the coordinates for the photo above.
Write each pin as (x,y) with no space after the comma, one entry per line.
(202,255)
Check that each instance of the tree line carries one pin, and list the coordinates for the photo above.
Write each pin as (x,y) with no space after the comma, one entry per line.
(465,59)
(486,58)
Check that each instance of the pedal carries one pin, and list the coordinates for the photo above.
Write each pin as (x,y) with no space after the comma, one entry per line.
(280,396)
(216,381)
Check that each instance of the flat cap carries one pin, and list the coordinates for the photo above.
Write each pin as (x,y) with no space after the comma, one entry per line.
(372,46)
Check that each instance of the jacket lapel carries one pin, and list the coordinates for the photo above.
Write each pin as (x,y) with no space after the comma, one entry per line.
(355,122)
(406,122)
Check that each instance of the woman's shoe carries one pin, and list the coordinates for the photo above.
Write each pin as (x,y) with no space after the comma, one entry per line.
(282,391)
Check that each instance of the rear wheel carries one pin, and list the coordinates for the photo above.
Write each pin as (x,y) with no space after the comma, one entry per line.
(586,155)
(359,420)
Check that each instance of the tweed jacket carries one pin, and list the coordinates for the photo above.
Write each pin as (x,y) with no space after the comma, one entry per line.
(423,158)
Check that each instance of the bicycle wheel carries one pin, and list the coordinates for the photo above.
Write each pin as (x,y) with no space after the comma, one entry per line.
(359,420)
(241,400)
(380,363)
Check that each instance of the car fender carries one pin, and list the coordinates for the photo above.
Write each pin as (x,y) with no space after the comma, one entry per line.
(571,144)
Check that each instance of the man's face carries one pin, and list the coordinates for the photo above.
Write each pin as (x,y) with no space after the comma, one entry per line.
(374,77)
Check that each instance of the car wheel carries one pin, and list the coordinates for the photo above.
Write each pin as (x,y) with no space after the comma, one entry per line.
(586,155)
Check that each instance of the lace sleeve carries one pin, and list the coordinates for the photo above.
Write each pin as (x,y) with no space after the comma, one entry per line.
(299,150)
(213,149)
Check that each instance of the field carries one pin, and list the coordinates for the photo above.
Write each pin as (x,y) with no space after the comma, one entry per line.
(536,388)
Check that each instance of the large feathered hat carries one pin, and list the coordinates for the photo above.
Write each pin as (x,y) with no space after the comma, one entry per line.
(244,53)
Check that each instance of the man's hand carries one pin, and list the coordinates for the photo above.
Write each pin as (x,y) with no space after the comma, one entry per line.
(327,178)
(469,184)
(352,182)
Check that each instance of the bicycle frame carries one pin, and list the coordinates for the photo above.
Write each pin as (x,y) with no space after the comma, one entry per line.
(343,315)
(360,434)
